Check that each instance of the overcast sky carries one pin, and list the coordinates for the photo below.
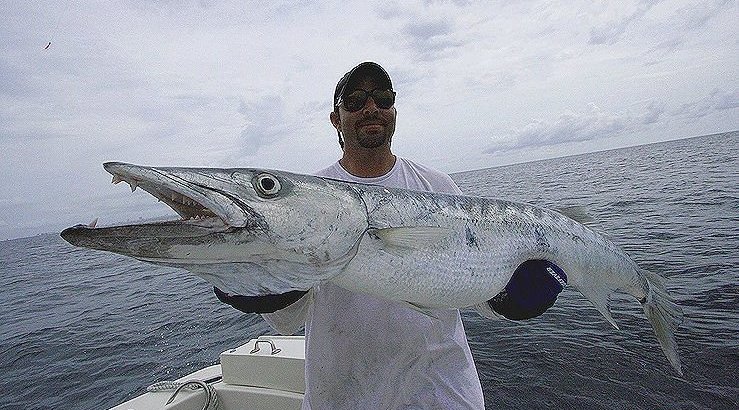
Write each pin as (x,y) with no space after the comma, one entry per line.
(249,83)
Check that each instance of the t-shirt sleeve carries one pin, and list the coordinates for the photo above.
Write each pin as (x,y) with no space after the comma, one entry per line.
(447,185)
(437,180)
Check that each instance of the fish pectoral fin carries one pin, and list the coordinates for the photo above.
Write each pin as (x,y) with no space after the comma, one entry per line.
(417,237)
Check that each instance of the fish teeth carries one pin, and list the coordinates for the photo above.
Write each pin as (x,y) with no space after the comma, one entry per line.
(184,200)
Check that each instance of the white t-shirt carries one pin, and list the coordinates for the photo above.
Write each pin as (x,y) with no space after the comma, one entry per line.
(363,352)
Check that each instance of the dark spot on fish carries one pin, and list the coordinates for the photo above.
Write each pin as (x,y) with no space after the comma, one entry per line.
(471,238)
(541,240)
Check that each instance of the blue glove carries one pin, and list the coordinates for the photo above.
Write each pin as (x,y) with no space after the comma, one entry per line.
(532,290)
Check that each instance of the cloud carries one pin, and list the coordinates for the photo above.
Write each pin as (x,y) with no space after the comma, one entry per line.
(266,123)
(593,124)
(431,39)
(674,31)
(455,2)
(611,31)
(14,82)
(390,10)
(653,113)
(428,29)
(716,101)
(696,15)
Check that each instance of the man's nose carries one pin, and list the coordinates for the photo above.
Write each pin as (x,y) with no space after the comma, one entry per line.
(370,106)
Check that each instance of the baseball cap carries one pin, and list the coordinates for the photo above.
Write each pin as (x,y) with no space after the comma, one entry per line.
(368,68)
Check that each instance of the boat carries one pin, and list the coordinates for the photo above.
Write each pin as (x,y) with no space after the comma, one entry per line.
(266,373)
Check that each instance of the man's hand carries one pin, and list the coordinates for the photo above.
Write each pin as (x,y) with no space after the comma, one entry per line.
(259,304)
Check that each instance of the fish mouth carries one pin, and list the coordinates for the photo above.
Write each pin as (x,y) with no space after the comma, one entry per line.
(190,201)
(202,208)
(203,211)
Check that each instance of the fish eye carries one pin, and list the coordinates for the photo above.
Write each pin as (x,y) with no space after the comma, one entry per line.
(266,185)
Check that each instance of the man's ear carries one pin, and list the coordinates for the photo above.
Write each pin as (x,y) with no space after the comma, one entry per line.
(335,120)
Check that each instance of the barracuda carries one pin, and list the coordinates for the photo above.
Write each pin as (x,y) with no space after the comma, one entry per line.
(256,232)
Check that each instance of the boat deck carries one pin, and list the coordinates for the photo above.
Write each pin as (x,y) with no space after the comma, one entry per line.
(265,373)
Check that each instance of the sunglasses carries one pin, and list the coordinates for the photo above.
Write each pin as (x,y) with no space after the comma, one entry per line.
(355,100)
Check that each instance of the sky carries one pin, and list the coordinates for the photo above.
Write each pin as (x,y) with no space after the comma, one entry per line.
(249,84)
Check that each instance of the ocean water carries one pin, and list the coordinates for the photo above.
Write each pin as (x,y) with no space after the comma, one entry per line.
(82,329)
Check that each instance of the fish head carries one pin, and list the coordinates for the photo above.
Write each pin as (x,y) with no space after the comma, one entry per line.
(234,215)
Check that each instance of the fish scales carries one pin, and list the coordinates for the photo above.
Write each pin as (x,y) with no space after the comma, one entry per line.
(255,232)
(506,234)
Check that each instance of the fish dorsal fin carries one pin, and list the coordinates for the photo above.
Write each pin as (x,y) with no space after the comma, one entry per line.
(417,237)
(577,213)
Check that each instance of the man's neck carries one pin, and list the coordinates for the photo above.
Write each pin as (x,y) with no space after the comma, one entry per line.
(368,163)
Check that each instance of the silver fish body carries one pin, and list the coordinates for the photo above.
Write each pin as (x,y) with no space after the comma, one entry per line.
(448,250)
(255,232)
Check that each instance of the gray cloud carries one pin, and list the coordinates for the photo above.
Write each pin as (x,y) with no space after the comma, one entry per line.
(266,123)
(425,30)
(431,39)
(653,113)
(390,10)
(679,27)
(13,81)
(597,124)
(568,127)
(611,32)
(459,3)
(716,101)
(696,15)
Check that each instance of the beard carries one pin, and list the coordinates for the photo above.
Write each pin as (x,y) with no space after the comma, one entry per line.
(372,140)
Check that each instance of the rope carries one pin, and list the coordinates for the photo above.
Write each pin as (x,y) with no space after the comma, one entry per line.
(211,397)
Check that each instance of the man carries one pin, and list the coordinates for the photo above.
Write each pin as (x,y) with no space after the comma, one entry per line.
(363,352)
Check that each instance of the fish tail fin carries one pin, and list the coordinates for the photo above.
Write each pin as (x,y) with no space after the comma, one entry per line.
(664,315)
